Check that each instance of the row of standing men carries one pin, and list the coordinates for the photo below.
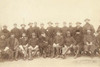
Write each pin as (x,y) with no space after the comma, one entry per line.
(72,37)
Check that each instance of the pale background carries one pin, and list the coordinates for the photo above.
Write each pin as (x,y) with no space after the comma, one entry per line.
(42,11)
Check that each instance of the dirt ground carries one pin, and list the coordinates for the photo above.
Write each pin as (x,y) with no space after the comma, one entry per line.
(55,62)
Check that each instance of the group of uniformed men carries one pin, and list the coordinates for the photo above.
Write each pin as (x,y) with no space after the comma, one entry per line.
(50,42)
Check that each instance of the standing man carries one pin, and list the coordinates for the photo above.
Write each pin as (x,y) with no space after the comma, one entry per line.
(78,27)
(64,29)
(42,29)
(57,28)
(22,30)
(36,30)
(30,30)
(5,31)
(88,26)
(50,36)
(71,28)
(16,31)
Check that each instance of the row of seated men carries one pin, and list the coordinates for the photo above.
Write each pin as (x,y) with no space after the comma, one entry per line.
(50,42)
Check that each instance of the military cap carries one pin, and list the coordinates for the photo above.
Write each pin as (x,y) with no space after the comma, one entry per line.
(15,24)
(78,23)
(22,25)
(50,22)
(30,23)
(87,19)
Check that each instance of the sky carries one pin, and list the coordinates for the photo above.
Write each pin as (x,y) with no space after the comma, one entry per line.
(43,11)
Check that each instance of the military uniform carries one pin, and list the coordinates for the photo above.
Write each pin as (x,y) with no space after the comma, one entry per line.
(36,30)
(88,26)
(23,30)
(79,43)
(33,47)
(29,32)
(64,31)
(90,43)
(6,33)
(71,29)
(57,46)
(43,46)
(98,30)
(56,29)
(16,32)
(12,44)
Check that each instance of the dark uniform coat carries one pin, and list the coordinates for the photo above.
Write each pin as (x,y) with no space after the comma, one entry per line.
(33,42)
(36,30)
(29,32)
(69,40)
(23,31)
(64,31)
(23,40)
(88,26)
(59,40)
(16,32)
(12,43)
(2,44)
(6,33)
(56,29)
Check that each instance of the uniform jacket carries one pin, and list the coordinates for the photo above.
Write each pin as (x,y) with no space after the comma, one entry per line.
(6,33)
(22,31)
(33,42)
(12,43)
(50,32)
(36,30)
(29,32)
(78,28)
(71,29)
(64,31)
(89,38)
(16,32)
(88,26)
(2,44)
(56,29)
(58,40)
(70,40)
(23,40)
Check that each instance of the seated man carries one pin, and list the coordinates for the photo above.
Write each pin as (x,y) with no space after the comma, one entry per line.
(33,46)
(79,43)
(68,45)
(58,43)
(2,45)
(23,45)
(43,44)
(12,47)
(89,43)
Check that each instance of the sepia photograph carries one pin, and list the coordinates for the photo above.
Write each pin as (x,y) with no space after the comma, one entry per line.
(49,33)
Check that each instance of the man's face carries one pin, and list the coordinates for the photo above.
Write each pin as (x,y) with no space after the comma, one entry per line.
(58,33)
(88,31)
(33,36)
(87,21)
(77,33)
(42,25)
(43,35)
(70,24)
(68,33)
(23,35)
(5,27)
(15,25)
(57,24)
(2,37)
(50,24)
(78,24)
(12,36)
(23,26)
(64,24)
